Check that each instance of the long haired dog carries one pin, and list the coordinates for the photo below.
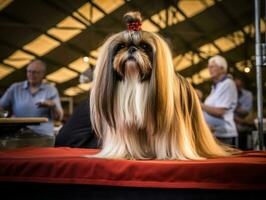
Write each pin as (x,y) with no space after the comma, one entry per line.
(140,108)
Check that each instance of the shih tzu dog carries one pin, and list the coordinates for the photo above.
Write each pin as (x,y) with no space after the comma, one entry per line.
(140,108)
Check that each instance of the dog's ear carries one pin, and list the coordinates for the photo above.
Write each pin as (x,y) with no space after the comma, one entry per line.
(102,95)
(161,84)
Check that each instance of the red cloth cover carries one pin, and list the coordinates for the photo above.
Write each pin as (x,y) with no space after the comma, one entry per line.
(67,166)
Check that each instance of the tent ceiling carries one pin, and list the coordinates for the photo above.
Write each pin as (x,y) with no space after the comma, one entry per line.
(63,32)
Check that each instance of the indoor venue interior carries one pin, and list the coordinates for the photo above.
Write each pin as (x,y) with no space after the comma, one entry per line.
(133,99)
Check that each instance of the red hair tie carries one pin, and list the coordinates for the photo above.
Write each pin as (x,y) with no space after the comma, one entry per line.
(134,26)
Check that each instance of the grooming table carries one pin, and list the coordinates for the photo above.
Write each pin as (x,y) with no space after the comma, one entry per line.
(62,173)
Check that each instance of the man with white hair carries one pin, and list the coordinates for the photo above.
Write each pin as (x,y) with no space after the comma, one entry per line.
(219,106)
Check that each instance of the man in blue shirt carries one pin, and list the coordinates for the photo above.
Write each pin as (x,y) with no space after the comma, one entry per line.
(33,98)
(243,109)
(219,106)
(245,99)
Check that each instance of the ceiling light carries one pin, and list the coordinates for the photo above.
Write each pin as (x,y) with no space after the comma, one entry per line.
(191,8)
(205,74)
(90,12)
(5,70)
(247,69)
(19,59)
(4,3)
(86,59)
(147,25)
(207,50)
(72,28)
(62,75)
(85,86)
(41,45)
(73,91)
(109,6)
(225,44)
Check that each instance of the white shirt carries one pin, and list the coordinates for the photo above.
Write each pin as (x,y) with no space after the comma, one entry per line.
(223,95)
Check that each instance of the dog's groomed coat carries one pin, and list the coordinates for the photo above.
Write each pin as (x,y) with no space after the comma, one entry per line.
(140,108)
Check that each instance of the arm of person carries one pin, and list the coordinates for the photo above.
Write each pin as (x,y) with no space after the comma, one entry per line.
(248,120)
(226,99)
(241,111)
(53,102)
(246,106)
(215,111)
(238,119)
(57,111)
(7,99)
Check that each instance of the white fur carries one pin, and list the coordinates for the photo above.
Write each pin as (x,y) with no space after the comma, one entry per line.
(131,101)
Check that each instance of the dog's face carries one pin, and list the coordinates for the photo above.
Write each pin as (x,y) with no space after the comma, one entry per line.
(141,59)
(132,55)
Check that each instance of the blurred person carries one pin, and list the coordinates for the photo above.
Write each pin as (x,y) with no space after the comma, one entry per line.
(244,107)
(33,98)
(219,106)
(245,99)
(87,75)
(77,131)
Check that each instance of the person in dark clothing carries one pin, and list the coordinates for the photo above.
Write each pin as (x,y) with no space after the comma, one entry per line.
(77,131)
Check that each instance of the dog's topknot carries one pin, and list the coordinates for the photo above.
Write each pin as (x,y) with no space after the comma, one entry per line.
(133,21)
(132,17)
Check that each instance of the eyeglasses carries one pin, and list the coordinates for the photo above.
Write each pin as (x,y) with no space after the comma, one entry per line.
(34,72)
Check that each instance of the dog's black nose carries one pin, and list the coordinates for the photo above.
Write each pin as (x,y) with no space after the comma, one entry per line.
(132,49)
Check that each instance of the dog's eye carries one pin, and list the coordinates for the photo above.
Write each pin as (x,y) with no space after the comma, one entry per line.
(119,47)
(145,46)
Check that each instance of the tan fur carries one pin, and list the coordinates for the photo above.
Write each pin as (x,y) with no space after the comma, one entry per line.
(160,118)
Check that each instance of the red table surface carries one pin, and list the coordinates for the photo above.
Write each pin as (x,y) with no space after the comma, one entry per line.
(67,166)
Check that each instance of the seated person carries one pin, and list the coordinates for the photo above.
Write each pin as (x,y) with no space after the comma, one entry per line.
(219,106)
(33,98)
(77,131)
(243,109)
